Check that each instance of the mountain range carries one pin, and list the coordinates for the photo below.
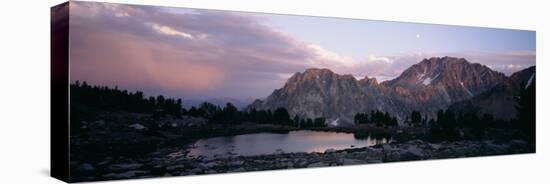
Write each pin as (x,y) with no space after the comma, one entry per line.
(433,84)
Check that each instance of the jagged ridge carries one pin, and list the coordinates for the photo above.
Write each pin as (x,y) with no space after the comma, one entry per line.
(428,86)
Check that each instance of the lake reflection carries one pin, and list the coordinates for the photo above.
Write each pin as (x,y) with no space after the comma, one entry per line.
(267,143)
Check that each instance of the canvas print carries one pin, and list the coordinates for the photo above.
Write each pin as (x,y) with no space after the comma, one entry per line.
(170,91)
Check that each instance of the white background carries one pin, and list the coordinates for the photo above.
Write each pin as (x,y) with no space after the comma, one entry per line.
(25,74)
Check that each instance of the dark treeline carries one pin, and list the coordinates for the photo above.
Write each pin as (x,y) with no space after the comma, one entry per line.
(114,99)
(231,115)
(526,107)
(377,118)
(447,124)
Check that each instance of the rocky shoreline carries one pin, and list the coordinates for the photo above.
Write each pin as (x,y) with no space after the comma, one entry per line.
(176,162)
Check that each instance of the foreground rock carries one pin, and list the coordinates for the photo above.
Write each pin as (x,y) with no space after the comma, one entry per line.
(166,163)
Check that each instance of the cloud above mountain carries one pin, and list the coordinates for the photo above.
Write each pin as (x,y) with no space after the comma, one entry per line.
(205,53)
(389,67)
(196,53)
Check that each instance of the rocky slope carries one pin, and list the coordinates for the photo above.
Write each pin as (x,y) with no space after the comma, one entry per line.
(436,83)
(499,101)
(428,86)
(322,93)
(176,162)
(524,77)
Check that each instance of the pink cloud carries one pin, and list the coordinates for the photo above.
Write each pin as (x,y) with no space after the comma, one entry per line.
(206,53)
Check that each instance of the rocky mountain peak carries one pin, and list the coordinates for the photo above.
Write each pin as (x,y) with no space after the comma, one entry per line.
(449,73)
(430,85)
(317,72)
(432,70)
(444,60)
(368,81)
(317,78)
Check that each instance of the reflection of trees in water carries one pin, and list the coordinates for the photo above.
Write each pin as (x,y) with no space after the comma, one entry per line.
(376,138)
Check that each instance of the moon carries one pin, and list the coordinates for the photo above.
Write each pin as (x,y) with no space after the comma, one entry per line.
(417,35)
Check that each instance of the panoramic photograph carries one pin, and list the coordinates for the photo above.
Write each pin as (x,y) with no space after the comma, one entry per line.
(166,91)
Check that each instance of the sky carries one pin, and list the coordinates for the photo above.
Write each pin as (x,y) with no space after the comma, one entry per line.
(204,54)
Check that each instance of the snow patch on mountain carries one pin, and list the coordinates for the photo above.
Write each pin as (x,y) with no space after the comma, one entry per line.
(421,76)
(335,122)
(530,81)
(467,90)
(428,80)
